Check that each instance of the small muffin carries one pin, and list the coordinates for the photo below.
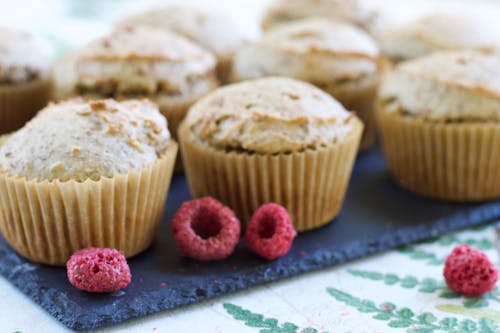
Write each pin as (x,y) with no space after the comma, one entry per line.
(337,57)
(271,140)
(139,62)
(438,32)
(363,13)
(439,119)
(85,174)
(212,30)
(24,79)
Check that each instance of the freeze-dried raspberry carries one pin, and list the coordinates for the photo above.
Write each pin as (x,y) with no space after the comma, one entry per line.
(469,272)
(270,232)
(98,270)
(205,229)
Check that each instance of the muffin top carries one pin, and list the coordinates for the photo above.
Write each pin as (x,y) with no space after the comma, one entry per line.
(268,116)
(214,31)
(446,86)
(438,32)
(137,61)
(21,59)
(314,50)
(362,13)
(77,140)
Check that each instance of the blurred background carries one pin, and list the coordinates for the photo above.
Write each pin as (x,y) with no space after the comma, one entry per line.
(65,24)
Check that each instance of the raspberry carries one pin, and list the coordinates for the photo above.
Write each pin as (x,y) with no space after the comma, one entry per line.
(469,272)
(205,229)
(270,232)
(98,270)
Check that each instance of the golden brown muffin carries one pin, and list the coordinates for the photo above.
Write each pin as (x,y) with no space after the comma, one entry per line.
(85,174)
(438,32)
(335,56)
(271,140)
(439,120)
(139,62)
(363,13)
(212,30)
(24,79)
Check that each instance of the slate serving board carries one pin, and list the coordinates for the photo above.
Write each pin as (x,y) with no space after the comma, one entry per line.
(377,216)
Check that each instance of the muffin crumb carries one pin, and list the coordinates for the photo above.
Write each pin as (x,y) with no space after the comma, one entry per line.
(135,144)
(97,105)
(57,167)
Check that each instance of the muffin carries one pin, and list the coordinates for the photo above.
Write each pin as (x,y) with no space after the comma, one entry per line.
(363,13)
(271,140)
(139,62)
(439,119)
(214,31)
(438,32)
(337,57)
(24,79)
(85,174)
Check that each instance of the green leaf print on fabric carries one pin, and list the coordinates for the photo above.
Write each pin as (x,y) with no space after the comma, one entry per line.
(427,285)
(266,325)
(492,315)
(418,254)
(482,244)
(425,322)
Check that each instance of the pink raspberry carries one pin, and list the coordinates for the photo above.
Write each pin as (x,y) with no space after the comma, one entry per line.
(469,272)
(270,233)
(98,270)
(205,229)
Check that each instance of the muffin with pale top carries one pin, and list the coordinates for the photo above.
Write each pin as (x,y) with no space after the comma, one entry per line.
(24,79)
(85,174)
(438,32)
(139,62)
(439,119)
(335,56)
(271,140)
(212,30)
(365,14)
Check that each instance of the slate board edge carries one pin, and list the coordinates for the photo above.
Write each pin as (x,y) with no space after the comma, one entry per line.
(320,259)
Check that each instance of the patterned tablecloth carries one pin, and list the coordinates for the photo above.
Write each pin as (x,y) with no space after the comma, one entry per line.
(399,291)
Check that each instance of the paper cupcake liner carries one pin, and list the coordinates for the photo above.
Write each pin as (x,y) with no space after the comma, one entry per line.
(455,162)
(224,65)
(359,99)
(20,102)
(47,222)
(310,184)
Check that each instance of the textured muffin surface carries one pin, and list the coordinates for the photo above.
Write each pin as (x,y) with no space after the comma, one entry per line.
(271,115)
(21,59)
(78,140)
(438,32)
(446,86)
(363,13)
(137,61)
(314,50)
(212,30)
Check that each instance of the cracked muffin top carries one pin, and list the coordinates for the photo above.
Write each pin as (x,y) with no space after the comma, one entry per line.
(137,61)
(21,59)
(314,50)
(77,140)
(212,30)
(438,32)
(446,86)
(269,116)
(363,13)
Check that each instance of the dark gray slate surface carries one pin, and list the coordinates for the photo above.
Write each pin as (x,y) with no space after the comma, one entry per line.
(377,216)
